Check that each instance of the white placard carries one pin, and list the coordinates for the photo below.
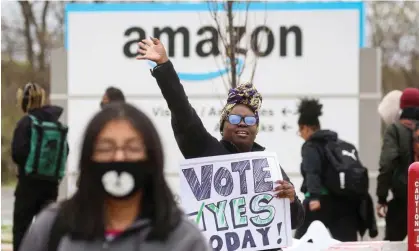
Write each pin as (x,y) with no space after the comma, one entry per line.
(95,39)
(230,198)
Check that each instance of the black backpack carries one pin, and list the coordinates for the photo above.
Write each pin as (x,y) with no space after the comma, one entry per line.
(345,175)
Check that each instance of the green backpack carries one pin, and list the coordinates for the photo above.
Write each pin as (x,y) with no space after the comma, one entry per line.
(48,150)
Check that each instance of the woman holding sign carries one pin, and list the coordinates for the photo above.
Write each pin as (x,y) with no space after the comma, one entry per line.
(238,123)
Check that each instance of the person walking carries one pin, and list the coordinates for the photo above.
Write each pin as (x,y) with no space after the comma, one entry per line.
(397,153)
(323,154)
(39,149)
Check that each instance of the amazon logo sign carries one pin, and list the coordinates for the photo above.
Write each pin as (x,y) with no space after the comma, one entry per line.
(262,40)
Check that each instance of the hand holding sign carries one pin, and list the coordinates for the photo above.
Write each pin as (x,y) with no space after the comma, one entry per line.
(284,190)
(152,49)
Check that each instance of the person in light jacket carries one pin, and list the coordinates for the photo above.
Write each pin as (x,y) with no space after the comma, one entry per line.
(123,202)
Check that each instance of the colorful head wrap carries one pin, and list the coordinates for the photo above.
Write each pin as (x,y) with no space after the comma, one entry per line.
(245,94)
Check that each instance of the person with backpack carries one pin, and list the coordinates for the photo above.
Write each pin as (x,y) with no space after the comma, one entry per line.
(400,148)
(112,94)
(334,180)
(39,149)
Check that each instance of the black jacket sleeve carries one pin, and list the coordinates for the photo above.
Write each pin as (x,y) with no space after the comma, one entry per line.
(190,133)
(388,157)
(21,142)
(312,168)
(297,209)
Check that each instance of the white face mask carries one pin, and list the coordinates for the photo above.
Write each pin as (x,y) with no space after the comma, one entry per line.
(118,185)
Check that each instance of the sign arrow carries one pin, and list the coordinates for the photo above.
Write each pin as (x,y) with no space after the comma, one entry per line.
(286,127)
(286,111)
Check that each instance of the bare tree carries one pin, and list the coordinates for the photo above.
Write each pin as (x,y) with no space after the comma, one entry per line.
(26,9)
(395,29)
(39,30)
(230,33)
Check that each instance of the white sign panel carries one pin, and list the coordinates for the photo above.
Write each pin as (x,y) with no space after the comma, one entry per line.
(303,48)
(278,128)
(230,197)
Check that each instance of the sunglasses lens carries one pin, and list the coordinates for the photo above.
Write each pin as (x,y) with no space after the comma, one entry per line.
(234,119)
(250,121)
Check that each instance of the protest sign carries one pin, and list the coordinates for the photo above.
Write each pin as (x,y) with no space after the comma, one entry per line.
(230,198)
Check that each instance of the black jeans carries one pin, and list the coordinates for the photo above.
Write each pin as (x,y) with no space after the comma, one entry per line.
(338,215)
(30,199)
(396,220)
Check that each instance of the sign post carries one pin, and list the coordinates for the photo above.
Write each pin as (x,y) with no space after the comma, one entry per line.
(413,207)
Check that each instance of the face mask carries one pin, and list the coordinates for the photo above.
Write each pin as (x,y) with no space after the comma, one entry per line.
(121,180)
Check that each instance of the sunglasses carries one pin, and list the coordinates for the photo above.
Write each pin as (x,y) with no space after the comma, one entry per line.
(236,119)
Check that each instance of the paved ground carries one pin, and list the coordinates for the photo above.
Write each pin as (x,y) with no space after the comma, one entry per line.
(7,200)
(6,247)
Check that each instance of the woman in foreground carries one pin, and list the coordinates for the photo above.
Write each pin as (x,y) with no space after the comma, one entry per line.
(123,202)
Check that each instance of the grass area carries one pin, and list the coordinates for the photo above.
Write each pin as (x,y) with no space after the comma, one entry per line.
(6,234)
(11,183)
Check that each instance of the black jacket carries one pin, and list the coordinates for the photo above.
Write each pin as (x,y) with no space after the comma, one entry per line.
(193,139)
(314,162)
(367,219)
(22,134)
(396,156)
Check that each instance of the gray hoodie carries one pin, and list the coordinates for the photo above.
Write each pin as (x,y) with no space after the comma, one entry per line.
(185,237)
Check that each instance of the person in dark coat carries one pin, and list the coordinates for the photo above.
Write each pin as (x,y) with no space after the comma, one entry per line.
(238,123)
(31,194)
(112,94)
(367,220)
(395,159)
(338,214)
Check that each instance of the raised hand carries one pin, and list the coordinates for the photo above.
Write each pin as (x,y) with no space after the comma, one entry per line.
(152,49)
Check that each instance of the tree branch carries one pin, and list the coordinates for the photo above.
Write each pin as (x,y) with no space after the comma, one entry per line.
(26,9)
(231,46)
(42,37)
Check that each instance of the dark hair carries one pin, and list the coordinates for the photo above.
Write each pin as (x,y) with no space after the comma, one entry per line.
(310,110)
(114,94)
(84,212)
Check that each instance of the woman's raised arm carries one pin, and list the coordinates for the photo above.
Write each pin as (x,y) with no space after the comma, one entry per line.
(190,133)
